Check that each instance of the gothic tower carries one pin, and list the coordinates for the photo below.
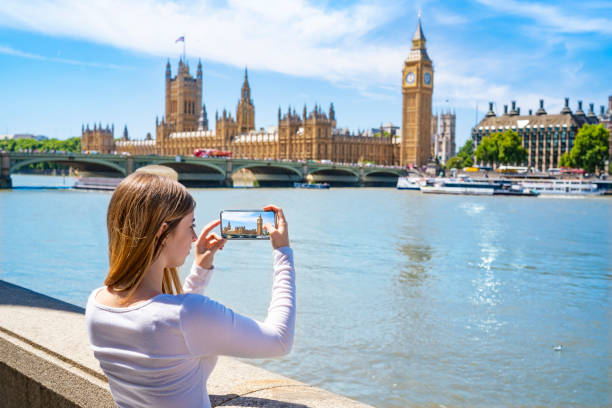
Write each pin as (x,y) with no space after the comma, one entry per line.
(417,90)
(245,112)
(183,98)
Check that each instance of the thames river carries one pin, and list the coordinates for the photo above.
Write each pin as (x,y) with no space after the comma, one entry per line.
(404,299)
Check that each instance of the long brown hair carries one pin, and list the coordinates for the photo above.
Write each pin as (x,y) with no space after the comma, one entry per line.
(140,205)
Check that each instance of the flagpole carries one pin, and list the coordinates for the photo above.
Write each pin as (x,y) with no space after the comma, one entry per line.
(184,55)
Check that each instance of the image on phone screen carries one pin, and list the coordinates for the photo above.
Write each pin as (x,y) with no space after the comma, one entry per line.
(246,224)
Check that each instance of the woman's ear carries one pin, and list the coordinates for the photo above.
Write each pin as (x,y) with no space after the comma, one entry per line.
(161,230)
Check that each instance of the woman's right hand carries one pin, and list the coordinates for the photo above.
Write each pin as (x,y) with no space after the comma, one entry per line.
(279,236)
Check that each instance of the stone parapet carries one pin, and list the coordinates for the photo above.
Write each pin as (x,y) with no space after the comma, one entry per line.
(45,361)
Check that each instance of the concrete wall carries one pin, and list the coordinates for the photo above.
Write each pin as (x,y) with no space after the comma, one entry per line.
(45,361)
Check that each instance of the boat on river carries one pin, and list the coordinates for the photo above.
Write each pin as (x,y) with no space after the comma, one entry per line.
(568,188)
(411,183)
(467,186)
(311,185)
(464,187)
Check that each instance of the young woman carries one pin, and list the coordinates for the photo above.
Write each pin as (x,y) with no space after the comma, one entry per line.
(157,340)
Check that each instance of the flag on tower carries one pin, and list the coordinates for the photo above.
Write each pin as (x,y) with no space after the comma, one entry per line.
(181,38)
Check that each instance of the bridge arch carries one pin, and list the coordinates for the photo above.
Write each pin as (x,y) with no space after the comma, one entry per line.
(69,161)
(379,171)
(263,165)
(177,165)
(332,169)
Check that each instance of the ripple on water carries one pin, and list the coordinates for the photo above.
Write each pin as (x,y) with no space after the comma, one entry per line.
(403,299)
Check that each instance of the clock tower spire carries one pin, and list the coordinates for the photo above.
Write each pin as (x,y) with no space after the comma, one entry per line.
(417,91)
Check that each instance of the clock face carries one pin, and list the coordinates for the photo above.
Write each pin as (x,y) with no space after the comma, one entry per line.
(410,77)
(427,78)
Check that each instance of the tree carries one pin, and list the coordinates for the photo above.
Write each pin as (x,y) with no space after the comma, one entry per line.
(510,149)
(454,162)
(565,160)
(467,150)
(463,157)
(501,148)
(590,148)
(487,151)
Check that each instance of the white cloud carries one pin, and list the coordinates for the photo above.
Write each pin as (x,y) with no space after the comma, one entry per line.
(12,51)
(552,17)
(293,38)
(298,38)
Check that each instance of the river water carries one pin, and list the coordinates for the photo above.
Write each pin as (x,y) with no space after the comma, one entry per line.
(404,299)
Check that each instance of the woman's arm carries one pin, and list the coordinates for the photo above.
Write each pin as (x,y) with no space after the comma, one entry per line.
(212,329)
(198,279)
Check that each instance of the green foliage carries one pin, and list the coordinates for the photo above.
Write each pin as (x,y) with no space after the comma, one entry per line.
(463,157)
(454,162)
(487,150)
(467,150)
(385,134)
(565,160)
(32,145)
(510,149)
(501,148)
(72,145)
(590,148)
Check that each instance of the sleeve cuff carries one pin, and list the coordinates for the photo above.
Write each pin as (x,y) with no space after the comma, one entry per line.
(195,268)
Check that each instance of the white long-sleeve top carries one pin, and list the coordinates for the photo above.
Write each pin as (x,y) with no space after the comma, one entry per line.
(160,353)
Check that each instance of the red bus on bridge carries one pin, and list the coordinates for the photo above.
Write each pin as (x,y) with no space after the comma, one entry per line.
(211,153)
(569,170)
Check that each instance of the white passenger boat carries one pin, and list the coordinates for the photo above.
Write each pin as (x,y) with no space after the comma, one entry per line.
(410,183)
(464,187)
(577,188)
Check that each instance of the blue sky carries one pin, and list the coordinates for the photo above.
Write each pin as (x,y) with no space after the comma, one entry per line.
(68,62)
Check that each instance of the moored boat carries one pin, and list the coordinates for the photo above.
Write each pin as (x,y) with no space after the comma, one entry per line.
(573,188)
(311,185)
(410,183)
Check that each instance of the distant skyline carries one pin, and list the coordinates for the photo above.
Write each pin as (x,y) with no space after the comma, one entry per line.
(66,63)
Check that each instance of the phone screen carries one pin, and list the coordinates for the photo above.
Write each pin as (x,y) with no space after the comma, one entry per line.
(246,224)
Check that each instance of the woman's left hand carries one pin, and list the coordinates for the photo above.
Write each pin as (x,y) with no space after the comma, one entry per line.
(207,244)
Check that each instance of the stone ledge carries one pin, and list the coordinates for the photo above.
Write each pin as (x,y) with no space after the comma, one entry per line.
(45,356)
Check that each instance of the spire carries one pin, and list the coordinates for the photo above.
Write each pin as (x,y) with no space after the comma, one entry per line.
(199,70)
(332,112)
(203,120)
(418,34)
(279,114)
(419,51)
(579,112)
(125,133)
(246,89)
(168,70)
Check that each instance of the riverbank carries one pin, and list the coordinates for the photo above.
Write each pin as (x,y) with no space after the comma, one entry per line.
(45,361)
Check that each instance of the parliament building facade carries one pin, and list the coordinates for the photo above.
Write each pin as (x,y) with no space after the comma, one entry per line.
(309,135)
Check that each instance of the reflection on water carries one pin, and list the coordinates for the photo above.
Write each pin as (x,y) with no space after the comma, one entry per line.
(416,264)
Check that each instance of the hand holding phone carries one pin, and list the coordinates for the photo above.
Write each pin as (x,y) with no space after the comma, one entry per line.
(268,223)
(207,244)
(279,235)
(246,224)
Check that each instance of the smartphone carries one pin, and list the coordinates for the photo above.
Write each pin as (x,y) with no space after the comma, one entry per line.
(246,224)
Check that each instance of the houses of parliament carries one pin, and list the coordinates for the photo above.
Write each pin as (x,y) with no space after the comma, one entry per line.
(309,135)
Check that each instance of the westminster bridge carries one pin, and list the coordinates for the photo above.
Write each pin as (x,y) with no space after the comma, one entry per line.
(211,172)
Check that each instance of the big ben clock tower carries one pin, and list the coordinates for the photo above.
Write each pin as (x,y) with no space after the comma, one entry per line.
(417,90)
